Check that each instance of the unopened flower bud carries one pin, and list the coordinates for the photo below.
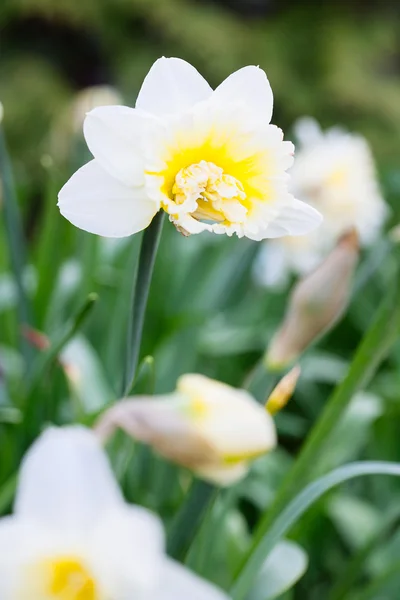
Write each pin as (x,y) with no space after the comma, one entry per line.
(1,112)
(205,425)
(317,302)
(283,391)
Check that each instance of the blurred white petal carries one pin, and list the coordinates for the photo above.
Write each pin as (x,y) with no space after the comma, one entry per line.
(66,481)
(178,583)
(129,544)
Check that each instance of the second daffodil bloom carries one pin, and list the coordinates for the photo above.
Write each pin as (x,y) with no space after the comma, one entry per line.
(73,537)
(210,159)
(334,171)
(205,425)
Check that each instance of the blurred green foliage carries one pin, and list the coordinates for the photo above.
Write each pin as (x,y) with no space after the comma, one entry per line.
(339,62)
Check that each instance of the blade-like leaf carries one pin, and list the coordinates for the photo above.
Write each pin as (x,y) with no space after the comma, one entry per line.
(286,564)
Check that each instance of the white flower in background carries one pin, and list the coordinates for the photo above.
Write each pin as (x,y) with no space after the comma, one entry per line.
(66,131)
(334,172)
(210,159)
(205,425)
(72,536)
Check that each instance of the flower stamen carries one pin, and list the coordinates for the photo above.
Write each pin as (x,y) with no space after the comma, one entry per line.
(208,194)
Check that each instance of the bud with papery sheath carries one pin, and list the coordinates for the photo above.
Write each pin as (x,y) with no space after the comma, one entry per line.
(316,303)
(205,425)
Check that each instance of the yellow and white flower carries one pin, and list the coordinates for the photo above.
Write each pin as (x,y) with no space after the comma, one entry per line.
(210,159)
(334,172)
(205,425)
(73,537)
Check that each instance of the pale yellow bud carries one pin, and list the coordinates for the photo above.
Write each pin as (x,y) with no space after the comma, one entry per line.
(1,112)
(317,302)
(283,391)
(205,425)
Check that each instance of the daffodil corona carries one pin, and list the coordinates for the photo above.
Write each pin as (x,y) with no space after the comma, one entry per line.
(210,159)
(73,537)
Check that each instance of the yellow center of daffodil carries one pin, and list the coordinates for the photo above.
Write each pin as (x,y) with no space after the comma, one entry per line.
(219,196)
(67,578)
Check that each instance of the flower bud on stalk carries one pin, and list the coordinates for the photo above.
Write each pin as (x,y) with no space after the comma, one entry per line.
(205,425)
(316,303)
(283,391)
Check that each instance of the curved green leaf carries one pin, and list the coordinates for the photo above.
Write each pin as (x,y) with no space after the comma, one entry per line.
(296,509)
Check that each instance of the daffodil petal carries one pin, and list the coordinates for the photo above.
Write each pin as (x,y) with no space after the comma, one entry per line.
(249,86)
(66,481)
(12,537)
(130,543)
(96,202)
(178,583)
(116,136)
(172,86)
(294,218)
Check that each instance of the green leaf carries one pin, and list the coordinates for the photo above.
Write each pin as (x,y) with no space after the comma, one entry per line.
(358,521)
(291,514)
(371,352)
(286,564)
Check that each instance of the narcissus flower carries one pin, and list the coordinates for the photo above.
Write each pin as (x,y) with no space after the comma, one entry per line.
(210,159)
(205,425)
(73,537)
(334,172)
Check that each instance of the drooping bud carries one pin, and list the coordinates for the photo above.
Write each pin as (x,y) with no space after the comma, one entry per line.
(205,425)
(317,302)
(283,391)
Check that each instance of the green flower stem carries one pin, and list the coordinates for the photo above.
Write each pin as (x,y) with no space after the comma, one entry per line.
(141,287)
(371,352)
(295,509)
(188,520)
(202,495)
(261,381)
(16,245)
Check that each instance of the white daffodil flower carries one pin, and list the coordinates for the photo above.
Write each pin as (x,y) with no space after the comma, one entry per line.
(205,425)
(72,536)
(210,159)
(334,172)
